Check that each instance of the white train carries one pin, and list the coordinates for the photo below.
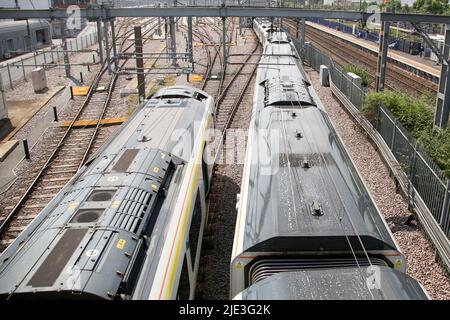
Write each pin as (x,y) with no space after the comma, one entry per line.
(129,224)
(306,228)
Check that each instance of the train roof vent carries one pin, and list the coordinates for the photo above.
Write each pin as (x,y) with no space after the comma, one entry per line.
(86,216)
(287,92)
(125,160)
(279,37)
(267,267)
(132,209)
(49,271)
(101,195)
(180,92)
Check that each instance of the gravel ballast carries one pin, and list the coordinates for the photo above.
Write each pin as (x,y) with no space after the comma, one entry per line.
(411,238)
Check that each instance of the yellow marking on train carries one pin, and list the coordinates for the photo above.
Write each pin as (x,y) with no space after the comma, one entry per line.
(195,77)
(239,265)
(154,187)
(178,249)
(80,91)
(116,204)
(73,205)
(155,169)
(193,186)
(91,123)
(398,264)
(121,244)
(183,231)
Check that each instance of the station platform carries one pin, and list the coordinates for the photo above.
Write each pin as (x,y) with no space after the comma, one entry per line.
(415,62)
(21,111)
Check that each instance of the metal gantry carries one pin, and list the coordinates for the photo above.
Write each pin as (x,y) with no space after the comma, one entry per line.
(443,96)
(139,62)
(382,56)
(103,12)
(107,13)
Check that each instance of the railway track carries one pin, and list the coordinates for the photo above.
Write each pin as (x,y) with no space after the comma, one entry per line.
(397,79)
(71,148)
(235,96)
(215,74)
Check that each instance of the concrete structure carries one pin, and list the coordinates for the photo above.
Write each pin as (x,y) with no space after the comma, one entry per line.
(324,76)
(39,79)
(355,79)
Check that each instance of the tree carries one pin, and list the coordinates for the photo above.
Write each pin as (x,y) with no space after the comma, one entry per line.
(406,8)
(431,6)
(393,5)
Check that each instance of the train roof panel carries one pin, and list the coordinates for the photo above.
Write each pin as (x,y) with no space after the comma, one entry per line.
(279,37)
(304,192)
(180,92)
(287,91)
(380,283)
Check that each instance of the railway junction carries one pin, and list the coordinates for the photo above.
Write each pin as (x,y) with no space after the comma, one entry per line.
(189,85)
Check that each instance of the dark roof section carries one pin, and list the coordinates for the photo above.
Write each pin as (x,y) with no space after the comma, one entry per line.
(305,193)
(378,283)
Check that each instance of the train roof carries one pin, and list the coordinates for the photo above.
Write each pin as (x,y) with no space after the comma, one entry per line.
(380,283)
(308,189)
(13,26)
(304,193)
(180,92)
(110,211)
(279,37)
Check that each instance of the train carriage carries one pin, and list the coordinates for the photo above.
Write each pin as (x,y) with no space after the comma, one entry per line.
(306,228)
(129,224)
(18,37)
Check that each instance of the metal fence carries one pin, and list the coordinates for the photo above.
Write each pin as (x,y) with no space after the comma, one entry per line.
(20,69)
(423,173)
(354,92)
(426,177)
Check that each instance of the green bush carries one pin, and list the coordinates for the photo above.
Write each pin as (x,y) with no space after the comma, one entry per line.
(366,80)
(437,146)
(417,117)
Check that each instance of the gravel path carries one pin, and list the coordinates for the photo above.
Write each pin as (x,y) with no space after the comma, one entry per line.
(411,239)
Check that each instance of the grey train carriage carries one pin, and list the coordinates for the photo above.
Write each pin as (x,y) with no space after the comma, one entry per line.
(129,224)
(306,227)
(19,36)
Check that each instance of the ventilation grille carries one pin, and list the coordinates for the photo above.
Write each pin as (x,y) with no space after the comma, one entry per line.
(87,216)
(132,209)
(101,195)
(266,268)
